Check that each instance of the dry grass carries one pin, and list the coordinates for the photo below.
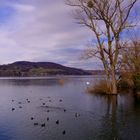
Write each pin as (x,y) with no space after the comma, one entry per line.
(100,87)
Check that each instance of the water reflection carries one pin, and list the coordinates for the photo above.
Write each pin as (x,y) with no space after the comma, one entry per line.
(109,128)
(137,101)
(122,118)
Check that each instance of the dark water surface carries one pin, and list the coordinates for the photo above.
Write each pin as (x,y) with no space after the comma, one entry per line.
(69,113)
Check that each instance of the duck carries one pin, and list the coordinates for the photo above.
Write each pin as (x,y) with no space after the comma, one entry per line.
(32,118)
(35,123)
(43,103)
(57,121)
(43,125)
(13,109)
(60,100)
(77,114)
(64,132)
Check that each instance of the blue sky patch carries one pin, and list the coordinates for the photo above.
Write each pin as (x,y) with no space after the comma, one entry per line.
(6,14)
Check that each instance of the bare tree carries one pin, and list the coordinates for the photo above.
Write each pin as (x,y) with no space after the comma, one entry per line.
(106,19)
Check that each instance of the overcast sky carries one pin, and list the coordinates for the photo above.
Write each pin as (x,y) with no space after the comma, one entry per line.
(42,30)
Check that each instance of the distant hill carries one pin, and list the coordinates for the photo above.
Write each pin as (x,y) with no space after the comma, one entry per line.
(25,68)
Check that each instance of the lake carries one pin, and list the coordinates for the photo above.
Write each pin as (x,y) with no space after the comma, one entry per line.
(59,108)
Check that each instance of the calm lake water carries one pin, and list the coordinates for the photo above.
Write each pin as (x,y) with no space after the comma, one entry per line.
(68,111)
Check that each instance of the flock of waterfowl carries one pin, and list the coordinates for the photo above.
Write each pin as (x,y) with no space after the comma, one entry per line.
(57,122)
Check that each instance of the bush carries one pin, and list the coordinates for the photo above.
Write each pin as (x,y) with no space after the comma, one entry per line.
(125,82)
(129,81)
(136,81)
(99,88)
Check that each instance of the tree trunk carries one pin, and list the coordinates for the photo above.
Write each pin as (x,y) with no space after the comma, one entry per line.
(109,84)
